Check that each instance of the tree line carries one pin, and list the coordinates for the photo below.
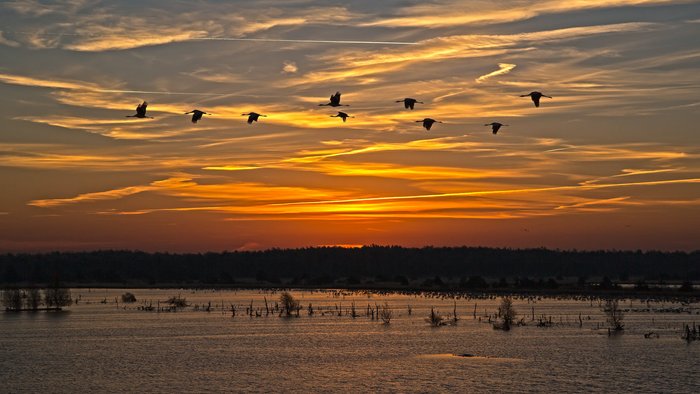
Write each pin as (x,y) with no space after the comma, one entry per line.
(327,265)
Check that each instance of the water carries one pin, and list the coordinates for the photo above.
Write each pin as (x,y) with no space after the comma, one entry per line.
(95,347)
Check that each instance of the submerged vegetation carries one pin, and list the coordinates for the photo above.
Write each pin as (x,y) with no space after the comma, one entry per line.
(289,304)
(385,313)
(128,298)
(177,301)
(506,314)
(435,319)
(55,298)
(486,308)
(613,315)
(691,334)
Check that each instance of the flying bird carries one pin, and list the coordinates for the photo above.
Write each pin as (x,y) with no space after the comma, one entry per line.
(253,117)
(535,97)
(409,103)
(334,101)
(428,122)
(495,126)
(140,111)
(196,115)
(342,115)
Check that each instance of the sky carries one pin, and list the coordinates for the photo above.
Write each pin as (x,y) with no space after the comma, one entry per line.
(612,161)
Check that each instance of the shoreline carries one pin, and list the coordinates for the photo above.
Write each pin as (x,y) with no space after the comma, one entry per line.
(656,294)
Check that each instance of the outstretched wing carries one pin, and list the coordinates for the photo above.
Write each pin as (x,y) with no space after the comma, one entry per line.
(335,99)
(141,109)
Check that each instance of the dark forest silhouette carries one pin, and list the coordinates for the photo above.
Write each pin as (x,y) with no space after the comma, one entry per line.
(429,267)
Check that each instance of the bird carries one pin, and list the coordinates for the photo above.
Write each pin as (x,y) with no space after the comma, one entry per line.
(342,115)
(334,101)
(495,126)
(535,97)
(408,103)
(428,122)
(253,117)
(196,115)
(140,111)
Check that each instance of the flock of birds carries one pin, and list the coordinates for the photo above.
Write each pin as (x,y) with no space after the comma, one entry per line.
(409,103)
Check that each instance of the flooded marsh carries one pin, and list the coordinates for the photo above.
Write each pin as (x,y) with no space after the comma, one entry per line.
(103,344)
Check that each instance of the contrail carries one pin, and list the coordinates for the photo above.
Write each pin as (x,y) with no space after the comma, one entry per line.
(152,92)
(349,42)
(303,41)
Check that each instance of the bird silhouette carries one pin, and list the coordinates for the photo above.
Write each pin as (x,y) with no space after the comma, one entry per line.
(140,111)
(409,103)
(428,122)
(535,97)
(495,126)
(334,101)
(196,115)
(342,115)
(253,117)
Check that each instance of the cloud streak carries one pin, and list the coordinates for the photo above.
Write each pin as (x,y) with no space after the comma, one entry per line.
(503,68)
(301,41)
(456,13)
(497,192)
(90,197)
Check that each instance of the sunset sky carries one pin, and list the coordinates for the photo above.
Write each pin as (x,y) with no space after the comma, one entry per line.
(611,162)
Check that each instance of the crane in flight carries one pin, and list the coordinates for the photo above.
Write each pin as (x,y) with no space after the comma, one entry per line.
(196,115)
(342,115)
(535,96)
(140,111)
(428,122)
(409,103)
(334,101)
(253,117)
(495,126)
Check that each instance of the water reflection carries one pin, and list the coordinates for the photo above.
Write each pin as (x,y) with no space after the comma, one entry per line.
(118,347)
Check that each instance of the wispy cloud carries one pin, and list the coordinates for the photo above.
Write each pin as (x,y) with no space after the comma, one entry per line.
(84,86)
(89,197)
(289,67)
(496,192)
(363,64)
(46,83)
(101,27)
(5,41)
(503,68)
(455,13)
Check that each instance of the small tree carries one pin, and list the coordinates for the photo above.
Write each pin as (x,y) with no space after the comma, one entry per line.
(435,319)
(613,315)
(33,298)
(128,298)
(12,299)
(57,297)
(507,313)
(177,301)
(288,303)
(385,313)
